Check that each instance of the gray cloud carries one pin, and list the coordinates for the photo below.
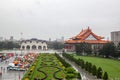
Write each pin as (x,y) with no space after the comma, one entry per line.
(55,18)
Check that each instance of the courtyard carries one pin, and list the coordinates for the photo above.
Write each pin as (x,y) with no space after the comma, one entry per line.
(9,75)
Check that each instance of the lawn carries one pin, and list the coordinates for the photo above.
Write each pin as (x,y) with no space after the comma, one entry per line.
(108,65)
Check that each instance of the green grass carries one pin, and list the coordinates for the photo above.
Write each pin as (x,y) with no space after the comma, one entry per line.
(47,63)
(108,65)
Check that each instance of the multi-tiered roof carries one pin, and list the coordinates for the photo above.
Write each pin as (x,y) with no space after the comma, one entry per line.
(86,36)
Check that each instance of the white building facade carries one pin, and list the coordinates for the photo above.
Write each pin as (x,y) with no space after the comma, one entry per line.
(115,37)
(33,44)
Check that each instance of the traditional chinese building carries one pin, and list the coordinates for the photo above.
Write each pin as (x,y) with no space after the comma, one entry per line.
(86,36)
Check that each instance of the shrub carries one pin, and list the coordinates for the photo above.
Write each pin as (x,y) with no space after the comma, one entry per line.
(82,64)
(29,74)
(94,70)
(26,78)
(86,66)
(62,61)
(70,76)
(70,70)
(105,76)
(78,62)
(99,73)
(78,76)
(89,67)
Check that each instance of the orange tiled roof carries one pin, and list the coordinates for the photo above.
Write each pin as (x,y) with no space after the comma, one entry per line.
(81,37)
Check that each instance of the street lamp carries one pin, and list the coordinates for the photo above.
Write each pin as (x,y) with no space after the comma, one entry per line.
(14,51)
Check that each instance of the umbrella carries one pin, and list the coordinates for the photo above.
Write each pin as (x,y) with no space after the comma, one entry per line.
(11,64)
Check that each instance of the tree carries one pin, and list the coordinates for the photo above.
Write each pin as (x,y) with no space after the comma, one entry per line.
(87,48)
(83,48)
(94,70)
(70,70)
(71,73)
(79,48)
(118,46)
(108,50)
(78,62)
(70,76)
(89,67)
(99,73)
(117,51)
(78,76)
(82,64)
(1,45)
(86,66)
(9,45)
(56,45)
(105,76)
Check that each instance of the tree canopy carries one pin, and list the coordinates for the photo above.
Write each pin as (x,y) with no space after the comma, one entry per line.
(83,48)
(110,50)
(9,45)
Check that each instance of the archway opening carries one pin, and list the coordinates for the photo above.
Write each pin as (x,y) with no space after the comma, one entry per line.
(34,47)
(39,47)
(28,47)
(23,47)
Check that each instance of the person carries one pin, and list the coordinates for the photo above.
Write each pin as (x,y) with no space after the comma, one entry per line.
(6,61)
(4,68)
(0,73)
(1,67)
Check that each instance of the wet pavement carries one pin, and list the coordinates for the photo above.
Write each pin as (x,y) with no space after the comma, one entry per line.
(9,74)
(17,75)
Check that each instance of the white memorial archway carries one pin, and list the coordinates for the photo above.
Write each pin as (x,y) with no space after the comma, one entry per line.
(34,44)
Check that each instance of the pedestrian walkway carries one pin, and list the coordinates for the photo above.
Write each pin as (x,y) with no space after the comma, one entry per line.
(84,74)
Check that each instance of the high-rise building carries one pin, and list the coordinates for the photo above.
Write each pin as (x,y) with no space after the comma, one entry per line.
(11,38)
(115,37)
(1,38)
(62,38)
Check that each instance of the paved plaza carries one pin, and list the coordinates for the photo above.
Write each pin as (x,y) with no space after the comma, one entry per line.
(84,74)
(7,74)
(10,74)
(17,75)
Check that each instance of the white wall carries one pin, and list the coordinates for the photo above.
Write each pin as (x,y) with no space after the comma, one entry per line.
(37,44)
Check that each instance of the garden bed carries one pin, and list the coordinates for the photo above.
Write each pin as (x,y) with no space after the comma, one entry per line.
(48,67)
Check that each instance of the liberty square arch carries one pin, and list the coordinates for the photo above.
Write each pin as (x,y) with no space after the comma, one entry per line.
(34,44)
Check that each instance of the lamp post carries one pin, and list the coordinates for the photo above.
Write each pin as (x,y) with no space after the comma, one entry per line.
(15,52)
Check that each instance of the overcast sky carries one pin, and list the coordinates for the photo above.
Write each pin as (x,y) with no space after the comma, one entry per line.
(44,19)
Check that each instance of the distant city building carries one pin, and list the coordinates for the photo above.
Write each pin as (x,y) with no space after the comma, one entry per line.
(34,44)
(49,39)
(60,40)
(11,38)
(115,37)
(86,36)
(1,38)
